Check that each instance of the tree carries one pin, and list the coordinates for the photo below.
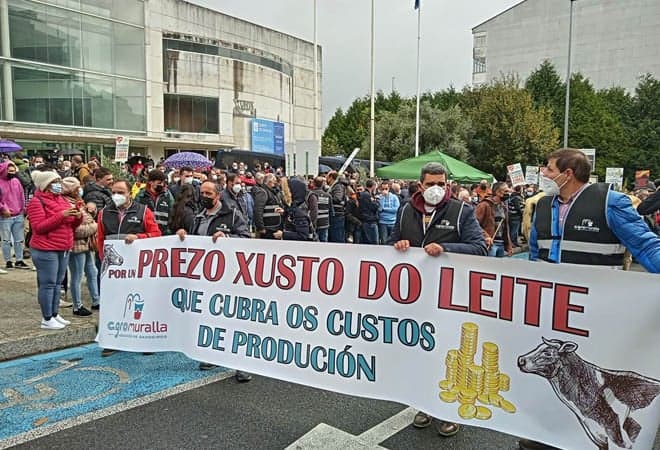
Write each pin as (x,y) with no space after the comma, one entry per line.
(447,130)
(507,127)
(592,124)
(646,136)
(547,90)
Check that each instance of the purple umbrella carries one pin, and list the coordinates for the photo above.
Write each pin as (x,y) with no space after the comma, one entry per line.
(7,146)
(190,159)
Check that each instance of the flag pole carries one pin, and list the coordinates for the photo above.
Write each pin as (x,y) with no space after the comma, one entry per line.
(373,88)
(316,73)
(419,73)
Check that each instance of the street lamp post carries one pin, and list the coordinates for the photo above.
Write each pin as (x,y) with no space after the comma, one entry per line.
(372,155)
(568,76)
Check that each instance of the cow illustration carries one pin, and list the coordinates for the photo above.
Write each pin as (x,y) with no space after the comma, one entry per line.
(601,399)
(110,258)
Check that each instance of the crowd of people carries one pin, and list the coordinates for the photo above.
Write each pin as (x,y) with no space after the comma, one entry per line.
(75,206)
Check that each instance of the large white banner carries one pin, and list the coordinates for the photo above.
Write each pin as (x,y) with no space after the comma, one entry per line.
(562,354)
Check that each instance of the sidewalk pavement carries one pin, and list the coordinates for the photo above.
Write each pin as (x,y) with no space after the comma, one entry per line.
(20,319)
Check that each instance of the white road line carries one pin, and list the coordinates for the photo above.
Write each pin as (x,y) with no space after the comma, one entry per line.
(384,430)
(69,423)
(326,437)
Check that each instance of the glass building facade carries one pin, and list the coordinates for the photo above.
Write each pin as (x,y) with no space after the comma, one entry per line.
(78,63)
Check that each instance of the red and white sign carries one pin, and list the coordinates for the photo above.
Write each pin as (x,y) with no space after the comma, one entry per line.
(121,148)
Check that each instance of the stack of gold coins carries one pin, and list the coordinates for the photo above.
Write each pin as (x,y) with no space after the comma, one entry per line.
(505,382)
(467,396)
(468,348)
(490,364)
(476,378)
(451,366)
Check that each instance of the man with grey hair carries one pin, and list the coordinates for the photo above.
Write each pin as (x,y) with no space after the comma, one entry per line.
(268,208)
(438,223)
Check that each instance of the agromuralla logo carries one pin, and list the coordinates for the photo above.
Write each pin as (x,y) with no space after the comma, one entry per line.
(132,326)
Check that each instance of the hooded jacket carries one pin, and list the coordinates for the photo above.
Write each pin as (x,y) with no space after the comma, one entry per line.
(12,195)
(51,231)
(97,194)
(298,225)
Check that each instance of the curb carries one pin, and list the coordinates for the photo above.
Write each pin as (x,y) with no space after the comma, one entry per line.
(48,341)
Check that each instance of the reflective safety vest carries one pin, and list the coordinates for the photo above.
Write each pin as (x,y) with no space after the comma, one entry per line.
(272,219)
(584,237)
(323,215)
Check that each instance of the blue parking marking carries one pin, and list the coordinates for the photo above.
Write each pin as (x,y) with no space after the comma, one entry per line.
(53,387)
(522,255)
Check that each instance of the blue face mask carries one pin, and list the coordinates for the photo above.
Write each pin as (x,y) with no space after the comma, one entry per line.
(56,188)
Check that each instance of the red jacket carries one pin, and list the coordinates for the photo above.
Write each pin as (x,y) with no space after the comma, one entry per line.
(51,231)
(151,228)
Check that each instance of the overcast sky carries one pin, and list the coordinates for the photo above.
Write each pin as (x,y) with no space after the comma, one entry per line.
(344,34)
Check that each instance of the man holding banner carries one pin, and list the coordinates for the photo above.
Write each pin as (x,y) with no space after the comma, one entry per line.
(587,224)
(446,225)
(218,221)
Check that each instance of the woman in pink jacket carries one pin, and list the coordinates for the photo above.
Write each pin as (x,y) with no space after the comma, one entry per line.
(53,221)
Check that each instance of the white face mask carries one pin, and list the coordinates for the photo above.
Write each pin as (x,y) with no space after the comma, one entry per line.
(118,199)
(236,188)
(550,186)
(80,192)
(188,180)
(434,195)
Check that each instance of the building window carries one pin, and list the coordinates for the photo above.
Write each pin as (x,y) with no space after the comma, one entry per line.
(480,41)
(53,35)
(479,65)
(67,97)
(191,114)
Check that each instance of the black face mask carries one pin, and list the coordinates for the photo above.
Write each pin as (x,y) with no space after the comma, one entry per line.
(158,189)
(11,175)
(505,197)
(206,202)
(483,186)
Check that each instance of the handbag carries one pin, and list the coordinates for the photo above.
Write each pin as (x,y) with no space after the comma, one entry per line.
(93,243)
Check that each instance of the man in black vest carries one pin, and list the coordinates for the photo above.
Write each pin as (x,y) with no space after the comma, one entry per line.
(124,219)
(324,208)
(217,220)
(268,208)
(158,199)
(438,223)
(579,223)
(338,185)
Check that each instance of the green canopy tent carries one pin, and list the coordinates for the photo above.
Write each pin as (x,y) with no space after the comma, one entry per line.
(409,169)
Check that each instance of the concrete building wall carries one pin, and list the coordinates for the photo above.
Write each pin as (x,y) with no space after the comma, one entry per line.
(614,42)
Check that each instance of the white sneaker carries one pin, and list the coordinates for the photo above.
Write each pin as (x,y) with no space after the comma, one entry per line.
(3,272)
(61,320)
(51,324)
(65,304)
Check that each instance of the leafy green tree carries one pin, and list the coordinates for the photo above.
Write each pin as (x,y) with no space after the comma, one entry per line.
(547,90)
(447,131)
(507,127)
(646,136)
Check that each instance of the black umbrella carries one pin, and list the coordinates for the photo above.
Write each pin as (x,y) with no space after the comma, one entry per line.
(70,152)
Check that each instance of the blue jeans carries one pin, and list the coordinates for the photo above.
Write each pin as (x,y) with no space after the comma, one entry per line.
(51,267)
(337,232)
(369,233)
(12,227)
(323,235)
(497,250)
(79,263)
(514,227)
(384,231)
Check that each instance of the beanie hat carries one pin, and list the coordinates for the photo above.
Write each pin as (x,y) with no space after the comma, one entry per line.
(43,179)
(70,184)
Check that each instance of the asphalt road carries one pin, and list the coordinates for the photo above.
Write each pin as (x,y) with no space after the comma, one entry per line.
(263,414)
